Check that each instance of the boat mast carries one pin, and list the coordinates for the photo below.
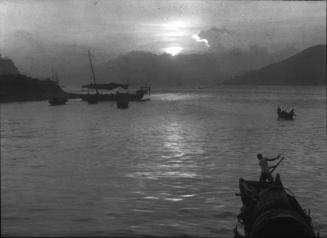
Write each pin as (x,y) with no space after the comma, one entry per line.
(54,76)
(93,75)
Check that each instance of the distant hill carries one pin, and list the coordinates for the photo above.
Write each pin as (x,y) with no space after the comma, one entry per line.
(17,87)
(184,70)
(305,68)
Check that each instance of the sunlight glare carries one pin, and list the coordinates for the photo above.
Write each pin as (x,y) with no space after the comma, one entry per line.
(175,50)
(174,25)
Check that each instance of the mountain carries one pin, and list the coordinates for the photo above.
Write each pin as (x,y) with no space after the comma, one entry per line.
(184,70)
(35,57)
(305,68)
(18,87)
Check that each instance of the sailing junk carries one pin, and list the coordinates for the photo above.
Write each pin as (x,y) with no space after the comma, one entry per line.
(138,96)
(269,211)
(94,98)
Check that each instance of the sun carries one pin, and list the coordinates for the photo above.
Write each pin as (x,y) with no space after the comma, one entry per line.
(176,25)
(175,50)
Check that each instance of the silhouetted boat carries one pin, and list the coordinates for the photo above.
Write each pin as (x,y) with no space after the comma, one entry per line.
(284,115)
(122,100)
(55,101)
(111,96)
(269,211)
(59,98)
(92,98)
(138,96)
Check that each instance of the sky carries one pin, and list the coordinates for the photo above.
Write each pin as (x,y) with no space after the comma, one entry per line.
(31,30)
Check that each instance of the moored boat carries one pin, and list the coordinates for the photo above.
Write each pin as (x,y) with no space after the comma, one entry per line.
(138,96)
(269,211)
(122,100)
(112,95)
(57,100)
(92,98)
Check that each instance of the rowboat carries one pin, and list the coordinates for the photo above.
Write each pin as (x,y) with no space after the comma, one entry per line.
(284,115)
(269,210)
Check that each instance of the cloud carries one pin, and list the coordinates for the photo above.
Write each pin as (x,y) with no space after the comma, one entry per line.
(198,39)
(217,39)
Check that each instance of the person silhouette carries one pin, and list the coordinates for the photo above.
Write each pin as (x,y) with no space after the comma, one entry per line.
(265,172)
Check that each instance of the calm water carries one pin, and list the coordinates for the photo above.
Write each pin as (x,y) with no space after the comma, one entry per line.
(166,167)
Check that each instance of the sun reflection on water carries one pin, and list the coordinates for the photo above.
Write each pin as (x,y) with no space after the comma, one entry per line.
(179,160)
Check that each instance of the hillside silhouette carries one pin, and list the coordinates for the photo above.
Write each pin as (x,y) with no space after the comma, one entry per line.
(18,87)
(305,68)
(184,70)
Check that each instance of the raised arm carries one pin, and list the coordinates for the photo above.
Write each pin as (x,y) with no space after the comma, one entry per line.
(272,159)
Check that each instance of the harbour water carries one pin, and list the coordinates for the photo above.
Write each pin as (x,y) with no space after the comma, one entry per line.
(165,167)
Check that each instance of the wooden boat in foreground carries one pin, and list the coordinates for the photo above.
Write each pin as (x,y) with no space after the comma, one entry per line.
(269,211)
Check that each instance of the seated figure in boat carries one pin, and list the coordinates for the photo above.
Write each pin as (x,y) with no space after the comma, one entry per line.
(265,169)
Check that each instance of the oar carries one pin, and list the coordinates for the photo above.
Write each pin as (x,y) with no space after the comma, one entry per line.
(277,164)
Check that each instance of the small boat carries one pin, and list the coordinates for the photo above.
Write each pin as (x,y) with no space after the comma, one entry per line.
(122,100)
(58,98)
(269,211)
(284,115)
(92,99)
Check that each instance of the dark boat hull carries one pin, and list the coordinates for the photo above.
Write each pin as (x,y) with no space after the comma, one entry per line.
(285,116)
(122,105)
(113,97)
(122,100)
(92,99)
(57,101)
(268,211)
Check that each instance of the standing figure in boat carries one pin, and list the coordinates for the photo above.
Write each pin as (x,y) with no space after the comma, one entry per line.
(283,114)
(265,169)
